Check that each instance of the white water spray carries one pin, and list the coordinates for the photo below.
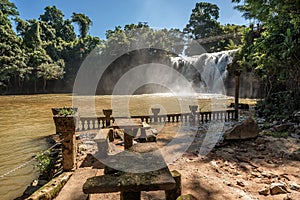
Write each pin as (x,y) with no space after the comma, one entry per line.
(207,71)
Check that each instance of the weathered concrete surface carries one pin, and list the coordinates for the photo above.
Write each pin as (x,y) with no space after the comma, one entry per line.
(69,151)
(130,182)
(73,188)
(159,179)
(52,188)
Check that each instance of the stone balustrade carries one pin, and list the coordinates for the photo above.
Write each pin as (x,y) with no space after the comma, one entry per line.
(92,123)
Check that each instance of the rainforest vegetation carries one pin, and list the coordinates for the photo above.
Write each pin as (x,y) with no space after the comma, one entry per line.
(43,55)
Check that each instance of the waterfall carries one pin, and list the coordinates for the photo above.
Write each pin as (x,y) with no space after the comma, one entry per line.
(207,71)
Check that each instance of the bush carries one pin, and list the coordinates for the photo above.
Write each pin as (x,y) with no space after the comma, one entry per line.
(45,165)
(278,134)
(278,106)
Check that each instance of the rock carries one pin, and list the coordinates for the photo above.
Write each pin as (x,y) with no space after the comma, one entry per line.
(265,191)
(294,186)
(229,150)
(227,183)
(214,164)
(245,166)
(261,147)
(294,135)
(34,183)
(288,197)
(246,130)
(42,182)
(296,116)
(268,174)
(186,197)
(240,183)
(260,140)
(278,188)
(30,190)
(297,131)
(283,127)
(295,155)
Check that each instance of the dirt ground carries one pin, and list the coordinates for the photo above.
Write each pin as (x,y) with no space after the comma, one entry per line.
(230,170)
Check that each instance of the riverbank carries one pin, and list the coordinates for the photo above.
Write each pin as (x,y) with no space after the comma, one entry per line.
(237,169)
(26,120)
(49,164)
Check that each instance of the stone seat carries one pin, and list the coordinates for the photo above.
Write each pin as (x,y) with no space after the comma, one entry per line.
(131,184)
(102,138)
(146,135)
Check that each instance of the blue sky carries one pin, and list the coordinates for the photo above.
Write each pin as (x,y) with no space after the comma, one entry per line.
(106,14)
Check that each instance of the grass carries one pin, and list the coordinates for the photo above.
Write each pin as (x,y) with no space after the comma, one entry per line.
(278,134)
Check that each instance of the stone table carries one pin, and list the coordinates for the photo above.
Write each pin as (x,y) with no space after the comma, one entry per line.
(130,127)
(130,184)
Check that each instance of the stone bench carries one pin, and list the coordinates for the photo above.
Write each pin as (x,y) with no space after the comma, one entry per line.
(146,135)
(131,184)
(102,138)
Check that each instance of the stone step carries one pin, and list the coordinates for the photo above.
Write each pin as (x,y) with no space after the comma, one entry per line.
(73,188)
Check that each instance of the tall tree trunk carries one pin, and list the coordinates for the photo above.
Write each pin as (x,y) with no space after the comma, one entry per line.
(44,85)
(35,88)
(236,95)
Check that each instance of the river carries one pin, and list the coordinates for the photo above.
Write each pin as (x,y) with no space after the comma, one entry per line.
(26,121)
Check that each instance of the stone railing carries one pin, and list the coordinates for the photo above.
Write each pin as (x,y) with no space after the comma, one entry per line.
(67,122)
(92,123)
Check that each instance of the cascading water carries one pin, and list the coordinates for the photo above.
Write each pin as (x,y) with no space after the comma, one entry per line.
(207,71)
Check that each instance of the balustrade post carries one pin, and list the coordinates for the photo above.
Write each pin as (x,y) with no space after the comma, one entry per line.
(66,125)
(107,113)
(193,109)
(155,112)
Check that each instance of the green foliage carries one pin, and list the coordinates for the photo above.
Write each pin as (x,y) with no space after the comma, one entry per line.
(137,36)
(12,61)
(203,24)
(50,71)
(65,111)
(278,106)
(203,21)
(83,22)
(45,165)
(44,49)
(271,51)
(278,134)
(8,8)
(47,49)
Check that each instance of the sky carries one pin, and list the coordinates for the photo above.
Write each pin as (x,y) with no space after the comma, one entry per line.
(106,14)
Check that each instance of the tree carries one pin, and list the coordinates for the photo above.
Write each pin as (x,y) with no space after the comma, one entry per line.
(43,49)
(135,36)
(272,51)
(206,31)
(176,38)
(203,21)
(54,17)
(8,9)
(49,71)
(12,59)
(67,32)
(83,22)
